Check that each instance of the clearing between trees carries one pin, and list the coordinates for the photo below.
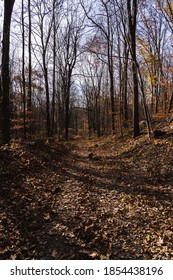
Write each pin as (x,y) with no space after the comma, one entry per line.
(91,199)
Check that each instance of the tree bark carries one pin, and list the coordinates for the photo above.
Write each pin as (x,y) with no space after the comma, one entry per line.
(54,70)
(8,8)
(170,103)
(29,102)
(132,13)
(23,71)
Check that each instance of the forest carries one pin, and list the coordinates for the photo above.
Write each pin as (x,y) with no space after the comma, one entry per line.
(86,129)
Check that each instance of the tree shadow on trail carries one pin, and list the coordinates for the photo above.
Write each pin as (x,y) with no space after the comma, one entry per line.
(78,217)
(24,230)
(122,180)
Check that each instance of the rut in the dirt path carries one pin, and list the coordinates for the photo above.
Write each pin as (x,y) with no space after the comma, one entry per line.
(113,209)
(115,204)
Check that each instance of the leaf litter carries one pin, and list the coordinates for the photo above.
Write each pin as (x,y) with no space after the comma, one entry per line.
(61,204)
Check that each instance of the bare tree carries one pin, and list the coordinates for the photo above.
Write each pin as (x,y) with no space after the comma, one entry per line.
(104,23)
(68,45)
(91,84)
(44,20)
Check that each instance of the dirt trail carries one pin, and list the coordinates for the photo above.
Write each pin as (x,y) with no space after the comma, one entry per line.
(98,202)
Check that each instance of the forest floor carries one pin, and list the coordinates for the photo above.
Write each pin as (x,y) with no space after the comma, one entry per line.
(96,199)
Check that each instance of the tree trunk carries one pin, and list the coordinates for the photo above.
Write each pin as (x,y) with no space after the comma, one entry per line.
(54,70)
(29,102)
(170,103)
(135,103)
(8,8)
(67,102)
(23,71)
(132,13)
(47,96)
(125,74)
